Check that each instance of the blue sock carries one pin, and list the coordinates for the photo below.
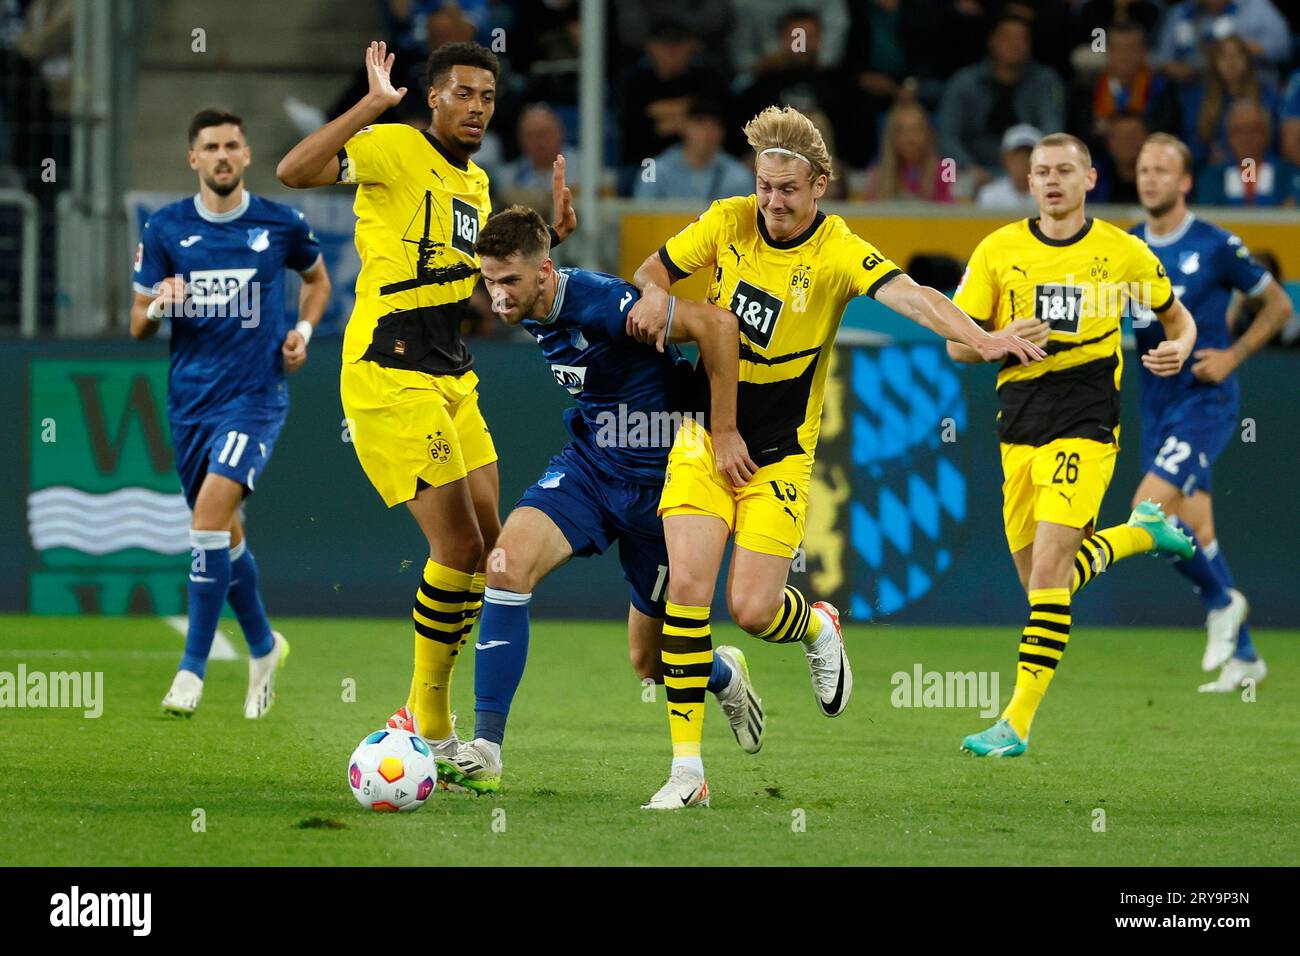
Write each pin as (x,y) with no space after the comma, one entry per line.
(1201,573)
(1245,646)
(246,600)
(499,659)
(209,582)
(720,677)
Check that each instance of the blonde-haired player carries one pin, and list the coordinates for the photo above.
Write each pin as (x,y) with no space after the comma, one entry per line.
(787,270)
(1061,279)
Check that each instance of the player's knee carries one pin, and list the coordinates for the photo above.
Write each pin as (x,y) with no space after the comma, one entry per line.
(509,572)
(462,552)
(752,612)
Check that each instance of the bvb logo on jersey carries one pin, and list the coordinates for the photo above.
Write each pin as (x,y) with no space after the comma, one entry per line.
(439,449)
(1100,267)
(800,283)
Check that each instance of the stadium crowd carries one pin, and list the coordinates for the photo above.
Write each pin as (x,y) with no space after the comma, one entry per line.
(929,100)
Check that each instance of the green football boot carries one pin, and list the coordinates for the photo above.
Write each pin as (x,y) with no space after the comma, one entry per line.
(1169,539)
(1000,740)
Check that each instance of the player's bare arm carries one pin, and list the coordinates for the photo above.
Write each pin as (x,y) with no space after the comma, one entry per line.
(716,332)
(1035,331)
(315,160)
(649,316)
(564,219)
(1215,365)
(935,311)
(1167,358)
(147,311)
(312,298)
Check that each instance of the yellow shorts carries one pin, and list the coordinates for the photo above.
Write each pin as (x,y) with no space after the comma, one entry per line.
(1062,482)
(409,425)
(766,515)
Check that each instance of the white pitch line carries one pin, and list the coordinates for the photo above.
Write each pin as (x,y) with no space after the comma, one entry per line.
(222,649)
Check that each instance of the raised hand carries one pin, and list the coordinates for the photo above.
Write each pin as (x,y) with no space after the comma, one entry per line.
(379,69)
(566,220)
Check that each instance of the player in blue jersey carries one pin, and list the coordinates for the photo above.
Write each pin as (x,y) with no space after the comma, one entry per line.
(214,265)
(603,487)
(1189,418)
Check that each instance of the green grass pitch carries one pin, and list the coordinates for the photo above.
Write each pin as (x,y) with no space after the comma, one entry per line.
(1183,778)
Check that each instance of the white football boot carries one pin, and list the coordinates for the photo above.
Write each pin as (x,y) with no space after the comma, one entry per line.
(743,707)
(476,766)
(1221,629)
(832,678)
(404,719)
(685,788)
(1235,673)
(186,692)
(261,678)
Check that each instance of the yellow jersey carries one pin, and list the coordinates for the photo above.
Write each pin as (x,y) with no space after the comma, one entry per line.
(418,215)
(789,297)
(1081,286)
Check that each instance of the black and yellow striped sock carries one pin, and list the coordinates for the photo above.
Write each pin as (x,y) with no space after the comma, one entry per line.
(687,656)
(473,607)
(472,610)
(794,622)
(1041,646)
(439,616)
(1099,551)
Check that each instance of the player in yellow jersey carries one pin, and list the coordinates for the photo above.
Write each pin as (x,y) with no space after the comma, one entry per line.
(1062,279)
(787,270)
(408,388)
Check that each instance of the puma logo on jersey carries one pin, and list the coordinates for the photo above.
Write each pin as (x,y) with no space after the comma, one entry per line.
(1020,270)
(1032,671)
(684,716)
(735,252)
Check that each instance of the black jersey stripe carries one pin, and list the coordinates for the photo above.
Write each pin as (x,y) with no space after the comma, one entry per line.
(674,270)
(879,283)
(747,354)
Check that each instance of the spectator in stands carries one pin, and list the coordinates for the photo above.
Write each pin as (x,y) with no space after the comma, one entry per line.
(1011,189)
(541,136)
(797,77)
(710,21)
(1253,175)
(1191,25)
(1289,119)
(1006,88)
(1117,163)
(909,166)
(1231,77)
(697,169)
(1126,85)
(1096,15)
(657,92)
(754,44)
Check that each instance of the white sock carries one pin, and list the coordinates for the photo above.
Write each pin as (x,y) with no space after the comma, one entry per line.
(692,763)
(825,635)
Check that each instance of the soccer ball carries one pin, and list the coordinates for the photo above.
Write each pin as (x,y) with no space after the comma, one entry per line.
(392,771)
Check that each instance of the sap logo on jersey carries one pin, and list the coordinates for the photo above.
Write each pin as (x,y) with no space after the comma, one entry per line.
(218,286)
(572,377)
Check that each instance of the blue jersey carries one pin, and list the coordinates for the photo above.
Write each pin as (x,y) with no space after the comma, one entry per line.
(1205,264)
(225,341)
(629,395)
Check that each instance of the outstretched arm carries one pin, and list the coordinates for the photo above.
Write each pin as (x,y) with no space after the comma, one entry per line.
(716,333)
(935,311)
(315,160)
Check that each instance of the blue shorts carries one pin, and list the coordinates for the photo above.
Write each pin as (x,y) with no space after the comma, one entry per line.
(1181,444)
(237,445)
(594,510)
